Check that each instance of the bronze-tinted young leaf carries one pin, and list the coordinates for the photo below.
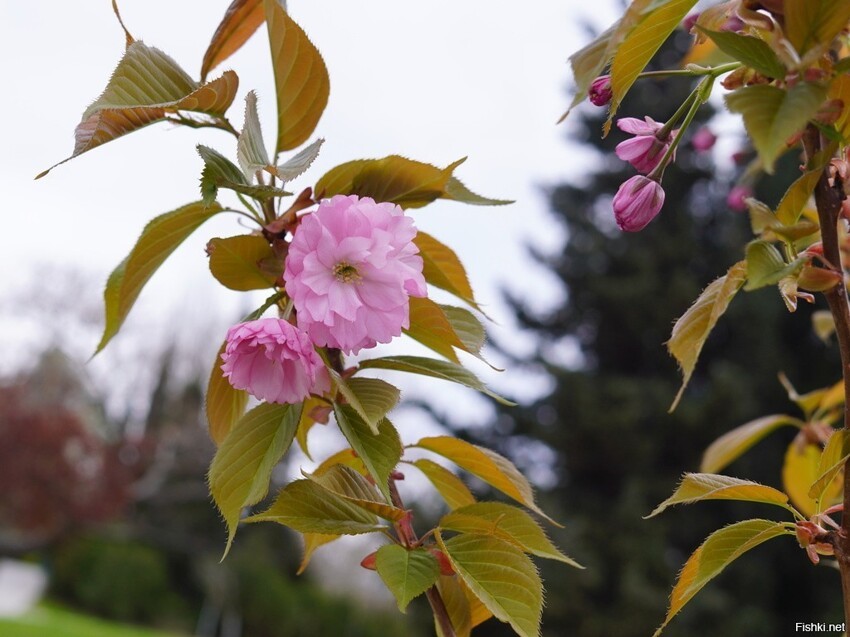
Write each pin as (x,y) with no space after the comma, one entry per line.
(241,19)
(407,572)
(457,191)
(224,403)
(772,115)
(307,507)
(832,460)
(408,183)
(640,45)
(693,327)
(250,148)
(244,262)
(501,576)
(146,86)
(458,605)
(448,485)
(353,487)
(313,541)
(442,267)
(300,75)
(159,239)
(795,198)
(801,469)
(430,326)
(489,466)
(720,549)
(316,410)
(696,487)
(732,445)
(380,452)
(434,368)
(507,523)
(242,467)
(753,52)
(811,23)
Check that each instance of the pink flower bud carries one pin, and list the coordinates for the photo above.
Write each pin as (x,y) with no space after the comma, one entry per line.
(689,22)
(600,91)
(645,150)
(703,140)
(637,202)
(737,198)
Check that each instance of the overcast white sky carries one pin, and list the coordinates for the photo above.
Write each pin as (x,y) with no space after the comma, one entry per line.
(433,81)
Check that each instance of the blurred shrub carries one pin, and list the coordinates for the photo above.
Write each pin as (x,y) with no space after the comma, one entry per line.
(120,580)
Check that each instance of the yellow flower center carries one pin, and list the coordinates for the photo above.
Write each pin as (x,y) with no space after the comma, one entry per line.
(346,273)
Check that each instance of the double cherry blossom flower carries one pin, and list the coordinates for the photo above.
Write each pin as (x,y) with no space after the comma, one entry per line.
(350,271)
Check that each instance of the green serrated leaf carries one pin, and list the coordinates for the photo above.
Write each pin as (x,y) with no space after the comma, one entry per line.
(640,46)
(693,327)
(434,368)
(301,78)
(772,115)
(448,485)
(242,467)
(244,262)
(224,403)
(241,20)
(765,265)
(307,507)
(753,52)
(452,590)
(218,170)
(250,148)
(296,165)
(732,445)
(407,572)
(146,86)
(720,549)
(380,452)
(353,487)
(501,576)
(371,398)
(159,239)
(489,466)
(795,198)
(507,523)
(696,487)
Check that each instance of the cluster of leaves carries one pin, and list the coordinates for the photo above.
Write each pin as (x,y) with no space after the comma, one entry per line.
(474,564)
(788,78)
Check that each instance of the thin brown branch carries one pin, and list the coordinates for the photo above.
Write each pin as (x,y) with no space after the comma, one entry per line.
(828,198)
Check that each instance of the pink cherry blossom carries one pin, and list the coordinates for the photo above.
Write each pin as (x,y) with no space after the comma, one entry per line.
(637,202)
(600,91)
(351,269)
(645,150)
(274,361)
(703,140)
(737,198)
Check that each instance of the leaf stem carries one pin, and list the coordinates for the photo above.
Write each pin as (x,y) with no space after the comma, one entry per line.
(828,200)
(408,539)
(692,104)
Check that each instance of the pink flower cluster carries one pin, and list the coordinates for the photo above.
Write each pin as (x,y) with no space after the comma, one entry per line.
(350,271)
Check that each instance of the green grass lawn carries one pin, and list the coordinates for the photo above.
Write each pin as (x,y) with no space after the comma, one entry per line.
(51,621)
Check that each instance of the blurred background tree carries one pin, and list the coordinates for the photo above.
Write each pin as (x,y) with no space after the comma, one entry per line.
(619,453)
